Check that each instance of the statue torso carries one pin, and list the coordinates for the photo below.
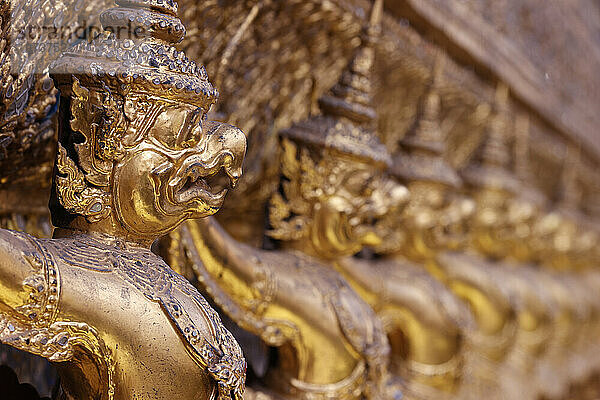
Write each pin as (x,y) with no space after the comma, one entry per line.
(325,308)
(146,331)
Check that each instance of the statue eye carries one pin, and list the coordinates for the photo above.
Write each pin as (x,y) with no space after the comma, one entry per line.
(191,130)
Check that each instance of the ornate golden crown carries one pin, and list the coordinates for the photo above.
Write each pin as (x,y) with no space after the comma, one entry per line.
(346,123)
(422,158)
(147,61)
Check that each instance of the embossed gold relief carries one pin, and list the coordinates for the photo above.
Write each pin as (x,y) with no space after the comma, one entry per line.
(415,230)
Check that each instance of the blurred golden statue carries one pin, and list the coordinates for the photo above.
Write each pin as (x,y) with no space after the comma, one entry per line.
(330,343)
(426,323)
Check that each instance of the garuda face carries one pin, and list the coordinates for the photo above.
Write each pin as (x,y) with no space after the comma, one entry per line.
(346,220)
(424,216)
(434,218)
(491,223)
(332,206)
(181,169)
(145,163)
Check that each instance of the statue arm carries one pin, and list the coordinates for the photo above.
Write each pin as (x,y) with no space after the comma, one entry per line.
(476,279)
(228,270)
(20,265)
(400,284)
(29,294)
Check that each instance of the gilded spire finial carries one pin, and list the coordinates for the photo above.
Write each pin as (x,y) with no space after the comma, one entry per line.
(351,97)
(348,116)
(522,138)
(495,150)
(522,164)
(491,164)
(570,193)
(422,158)
(427,134)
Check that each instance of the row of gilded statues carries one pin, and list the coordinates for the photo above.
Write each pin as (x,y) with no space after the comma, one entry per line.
(380,276)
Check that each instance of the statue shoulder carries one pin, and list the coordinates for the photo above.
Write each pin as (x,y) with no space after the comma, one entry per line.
(15,247)
(30,295)
(26,269)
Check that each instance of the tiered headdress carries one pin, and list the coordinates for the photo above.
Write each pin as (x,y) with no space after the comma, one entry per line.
(145,61)
(422,158)
(347,122)
(491,164)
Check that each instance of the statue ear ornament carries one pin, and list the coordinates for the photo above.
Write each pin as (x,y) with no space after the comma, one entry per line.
(75,193)
(83,189)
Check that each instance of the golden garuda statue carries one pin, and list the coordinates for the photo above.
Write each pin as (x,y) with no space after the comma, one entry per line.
(135,158)
(418,218)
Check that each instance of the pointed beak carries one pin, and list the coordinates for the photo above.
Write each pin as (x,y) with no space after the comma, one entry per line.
(225,138)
